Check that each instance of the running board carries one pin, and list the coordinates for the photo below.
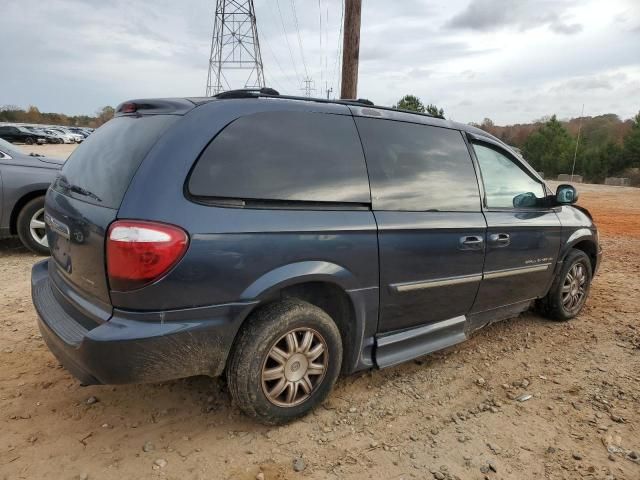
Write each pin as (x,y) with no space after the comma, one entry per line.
(394,348)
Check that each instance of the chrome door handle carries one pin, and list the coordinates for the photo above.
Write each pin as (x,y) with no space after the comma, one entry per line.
(471,242)
(500,239)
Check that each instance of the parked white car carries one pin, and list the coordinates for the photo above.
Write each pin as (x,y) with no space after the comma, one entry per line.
(65,138)
(69,137)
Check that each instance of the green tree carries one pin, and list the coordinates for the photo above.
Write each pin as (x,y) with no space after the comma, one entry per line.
(413,103)
(33,115)
(631,145)
(410,102)
(105,114)
(435,111)
(550,148)
(598,162)
(13,113)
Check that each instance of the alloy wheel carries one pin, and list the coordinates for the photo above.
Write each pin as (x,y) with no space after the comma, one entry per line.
(36,228)
(294,367)
(574,287)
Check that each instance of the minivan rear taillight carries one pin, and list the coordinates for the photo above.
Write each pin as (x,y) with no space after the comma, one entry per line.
(139,252)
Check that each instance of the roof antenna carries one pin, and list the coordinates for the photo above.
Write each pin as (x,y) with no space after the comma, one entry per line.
(575,153)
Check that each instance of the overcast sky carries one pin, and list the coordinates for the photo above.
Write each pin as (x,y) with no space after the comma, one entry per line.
(509,60)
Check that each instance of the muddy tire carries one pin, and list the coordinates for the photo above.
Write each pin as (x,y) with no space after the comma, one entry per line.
(285,361)
(30,226)
(570,288)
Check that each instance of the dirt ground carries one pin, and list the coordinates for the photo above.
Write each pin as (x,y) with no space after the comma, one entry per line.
(62,150)
(454,414)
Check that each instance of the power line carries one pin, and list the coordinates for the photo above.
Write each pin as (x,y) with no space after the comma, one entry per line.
(297,25)
(326,56)
(286,38)
(291,82)
(321,51)
(338,51)
(288,78)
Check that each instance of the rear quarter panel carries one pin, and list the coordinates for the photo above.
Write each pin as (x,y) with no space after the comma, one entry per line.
(18,181)
(232,248)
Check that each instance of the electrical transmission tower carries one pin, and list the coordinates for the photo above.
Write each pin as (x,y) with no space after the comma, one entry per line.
(234,48)
(308,86)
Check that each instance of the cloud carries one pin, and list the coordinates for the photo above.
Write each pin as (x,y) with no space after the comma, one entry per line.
(565,28)
(587,83)
(511,61)
(490,15)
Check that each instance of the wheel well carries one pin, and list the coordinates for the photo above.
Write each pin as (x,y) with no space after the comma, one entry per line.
(333,300)
(590,249)
(13,221)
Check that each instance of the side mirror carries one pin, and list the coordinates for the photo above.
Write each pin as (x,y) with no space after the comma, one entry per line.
(566,194)
(525,200)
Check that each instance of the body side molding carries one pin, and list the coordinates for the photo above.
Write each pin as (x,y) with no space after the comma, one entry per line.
(441,282)
(517,271)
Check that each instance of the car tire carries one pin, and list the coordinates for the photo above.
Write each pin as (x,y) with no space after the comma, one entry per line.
(28,141)
(570,288)
(33,211)
(275,388)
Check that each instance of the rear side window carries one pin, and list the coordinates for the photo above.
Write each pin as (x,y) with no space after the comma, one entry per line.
(100,170)
(418,167)
(284,156)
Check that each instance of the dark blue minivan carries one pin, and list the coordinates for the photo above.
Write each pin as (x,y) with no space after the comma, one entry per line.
(282,241)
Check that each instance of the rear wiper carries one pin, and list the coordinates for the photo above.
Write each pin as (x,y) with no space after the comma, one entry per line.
(78,190)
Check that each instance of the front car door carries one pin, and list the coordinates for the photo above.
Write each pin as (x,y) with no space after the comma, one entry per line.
(523,235)
(431,230)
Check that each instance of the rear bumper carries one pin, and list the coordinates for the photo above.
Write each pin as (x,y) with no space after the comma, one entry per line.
(131,348)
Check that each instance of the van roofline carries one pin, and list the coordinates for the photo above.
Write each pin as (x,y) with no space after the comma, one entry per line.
(182,105)
(360,102)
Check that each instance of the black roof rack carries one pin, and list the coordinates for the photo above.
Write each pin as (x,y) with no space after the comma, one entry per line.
(362,101)
(271,93)
(247,92)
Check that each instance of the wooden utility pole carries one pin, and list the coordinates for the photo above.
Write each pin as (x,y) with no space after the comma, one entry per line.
(351,48)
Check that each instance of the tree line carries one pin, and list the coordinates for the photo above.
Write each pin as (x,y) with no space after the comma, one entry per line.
(14,114)
(606,145)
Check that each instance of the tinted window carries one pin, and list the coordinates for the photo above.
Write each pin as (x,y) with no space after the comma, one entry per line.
(105,162)
(291,156)
(506,185)
(418,167)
